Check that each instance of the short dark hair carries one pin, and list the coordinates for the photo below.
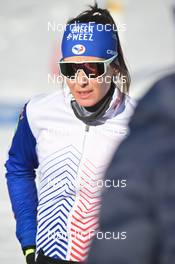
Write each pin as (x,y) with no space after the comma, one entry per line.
(103,16)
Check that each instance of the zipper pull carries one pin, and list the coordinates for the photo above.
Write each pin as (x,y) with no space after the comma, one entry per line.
(87,128)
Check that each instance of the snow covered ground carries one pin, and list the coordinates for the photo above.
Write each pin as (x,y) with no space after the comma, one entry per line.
(28,51)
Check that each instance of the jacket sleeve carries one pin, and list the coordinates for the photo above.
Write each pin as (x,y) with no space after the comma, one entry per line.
(21,164)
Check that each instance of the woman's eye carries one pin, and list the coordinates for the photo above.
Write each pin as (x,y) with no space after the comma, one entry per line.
(91,67)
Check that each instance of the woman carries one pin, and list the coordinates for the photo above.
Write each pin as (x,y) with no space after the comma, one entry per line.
(70,136)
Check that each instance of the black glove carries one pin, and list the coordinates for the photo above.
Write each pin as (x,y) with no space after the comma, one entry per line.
(29,253)
(30,259)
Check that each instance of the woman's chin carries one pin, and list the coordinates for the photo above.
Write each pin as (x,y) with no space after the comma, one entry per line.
(86,102)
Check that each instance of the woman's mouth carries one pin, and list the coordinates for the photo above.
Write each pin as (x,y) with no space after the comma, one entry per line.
(84,94)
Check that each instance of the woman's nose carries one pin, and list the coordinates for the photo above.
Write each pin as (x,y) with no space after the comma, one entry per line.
(81,78)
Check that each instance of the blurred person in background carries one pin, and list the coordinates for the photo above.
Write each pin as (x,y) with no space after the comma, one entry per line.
(145,209)
(70,136)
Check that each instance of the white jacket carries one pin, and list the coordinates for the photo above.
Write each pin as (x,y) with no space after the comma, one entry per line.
(72,160)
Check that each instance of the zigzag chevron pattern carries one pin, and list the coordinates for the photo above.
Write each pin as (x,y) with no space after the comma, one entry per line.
(58,177)
(84,222)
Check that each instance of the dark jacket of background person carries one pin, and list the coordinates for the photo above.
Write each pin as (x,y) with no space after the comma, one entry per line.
(145,209)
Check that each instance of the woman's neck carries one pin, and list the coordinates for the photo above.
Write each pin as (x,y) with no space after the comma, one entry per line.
(98,105)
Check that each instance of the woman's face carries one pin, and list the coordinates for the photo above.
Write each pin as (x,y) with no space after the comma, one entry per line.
(89,91)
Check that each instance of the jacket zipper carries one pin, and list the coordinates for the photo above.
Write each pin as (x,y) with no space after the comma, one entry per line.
(84,139)
(83,148)
(78,177)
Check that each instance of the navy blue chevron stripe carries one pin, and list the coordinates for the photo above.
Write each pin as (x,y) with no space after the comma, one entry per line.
(61,245)
(54,212)
(47,209)
(53,197)
(57,227)
(60,206)
(50,235)
(61,254)
(57,170)
(60,249)
(56,201)
(60,196)
(67,158)
(60,228)
(64,164)
(56,196)
(55,177)
(49,221)
(69,146)
(54,239)
(59,217)
(50,225)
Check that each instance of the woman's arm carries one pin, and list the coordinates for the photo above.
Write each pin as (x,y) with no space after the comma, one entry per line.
(21,165)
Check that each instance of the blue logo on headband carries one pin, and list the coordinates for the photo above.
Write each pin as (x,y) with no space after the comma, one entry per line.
(89,39)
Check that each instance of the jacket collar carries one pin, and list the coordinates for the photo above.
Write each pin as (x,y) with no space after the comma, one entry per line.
(111,111)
